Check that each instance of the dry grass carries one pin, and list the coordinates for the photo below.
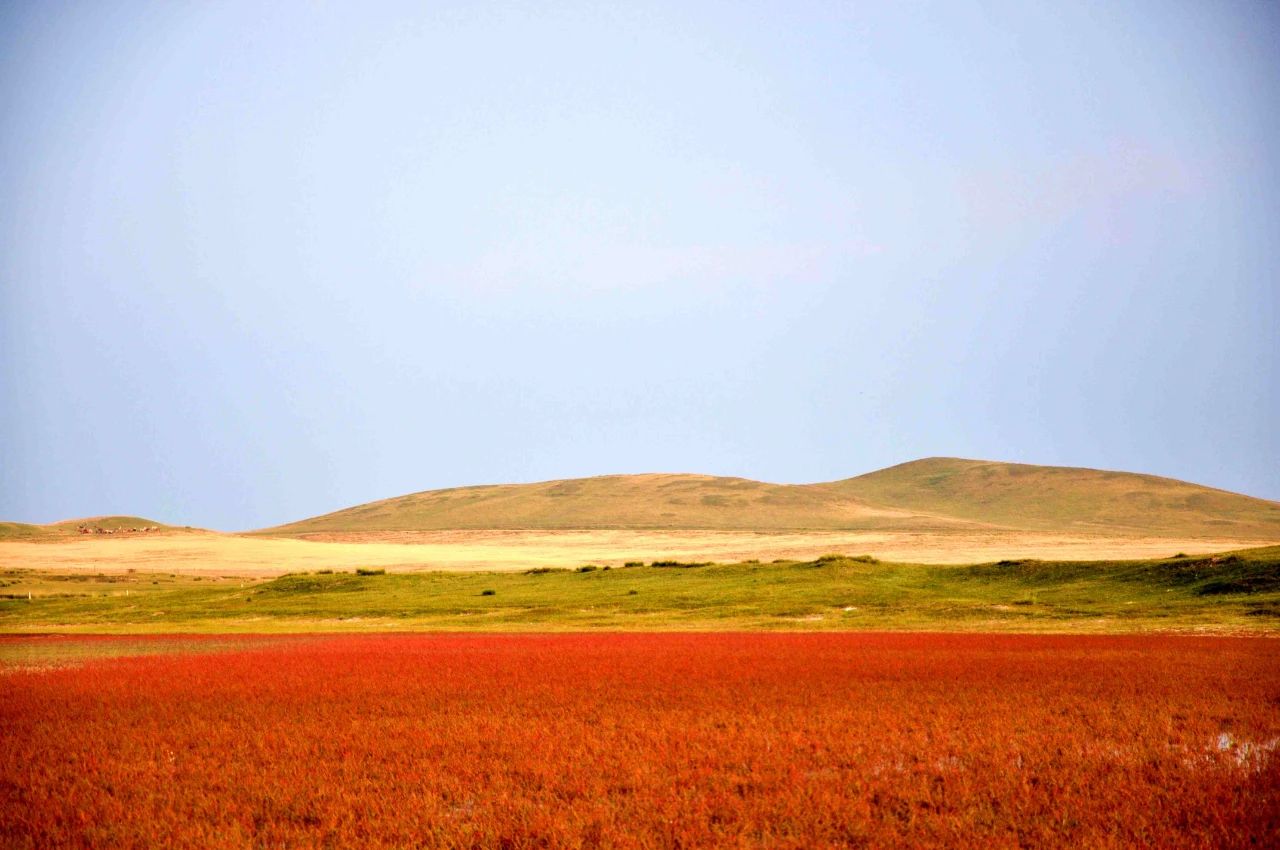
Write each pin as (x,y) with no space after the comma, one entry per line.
(935,495)
(209,553)
(654,501)
(70,528)
(1064,499)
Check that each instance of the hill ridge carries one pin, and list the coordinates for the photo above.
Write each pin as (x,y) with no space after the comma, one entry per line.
(928,494)
(108,523)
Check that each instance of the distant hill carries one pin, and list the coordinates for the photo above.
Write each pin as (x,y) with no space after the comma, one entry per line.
(924,495)
(1064,498)
(652,501)
(71,527)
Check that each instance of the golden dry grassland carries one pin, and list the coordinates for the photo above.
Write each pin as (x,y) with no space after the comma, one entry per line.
(209,553)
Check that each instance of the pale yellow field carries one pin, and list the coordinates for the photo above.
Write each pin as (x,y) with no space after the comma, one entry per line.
(223,554)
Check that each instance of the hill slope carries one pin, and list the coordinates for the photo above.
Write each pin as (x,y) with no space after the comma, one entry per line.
(620,501)
(71,527)
(1060,498)
(927,495)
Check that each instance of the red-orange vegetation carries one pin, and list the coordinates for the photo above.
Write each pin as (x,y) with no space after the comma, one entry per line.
(655,740)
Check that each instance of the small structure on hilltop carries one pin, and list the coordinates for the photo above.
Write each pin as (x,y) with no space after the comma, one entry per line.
(97,529)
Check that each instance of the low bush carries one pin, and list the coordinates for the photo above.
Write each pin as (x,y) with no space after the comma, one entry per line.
(370,571)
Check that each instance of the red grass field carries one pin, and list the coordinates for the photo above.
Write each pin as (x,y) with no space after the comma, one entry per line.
(671,740)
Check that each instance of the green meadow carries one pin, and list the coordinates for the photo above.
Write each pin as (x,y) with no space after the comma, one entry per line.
(1233,592)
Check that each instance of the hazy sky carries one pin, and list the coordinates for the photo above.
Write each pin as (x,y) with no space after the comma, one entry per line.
(264,260)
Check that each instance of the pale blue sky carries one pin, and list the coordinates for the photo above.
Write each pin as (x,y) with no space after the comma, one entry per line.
(260,261)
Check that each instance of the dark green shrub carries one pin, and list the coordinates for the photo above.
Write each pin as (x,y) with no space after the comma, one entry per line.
(634,564)
(588,568)
(370,571)
(488,592)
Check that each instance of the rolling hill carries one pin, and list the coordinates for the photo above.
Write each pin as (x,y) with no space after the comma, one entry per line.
(1057,498)
(652,501)
(934,494)
(71,527)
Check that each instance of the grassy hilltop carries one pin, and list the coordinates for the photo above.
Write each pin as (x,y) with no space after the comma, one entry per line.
(1062,498)
(652,501)
(925,495)
(70,528)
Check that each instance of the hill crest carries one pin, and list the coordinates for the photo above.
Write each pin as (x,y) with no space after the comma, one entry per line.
(114,524)
(930,494)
